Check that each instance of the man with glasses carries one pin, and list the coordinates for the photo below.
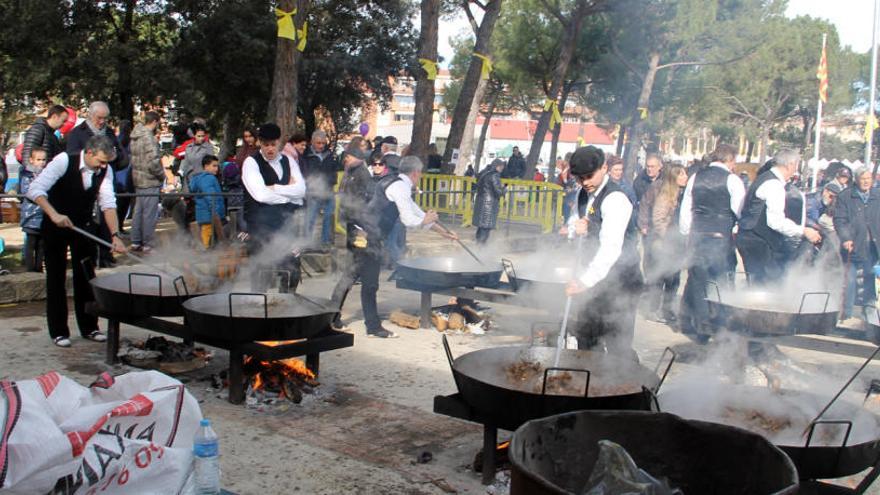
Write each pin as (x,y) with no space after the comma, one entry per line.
(67,190)
(609,281)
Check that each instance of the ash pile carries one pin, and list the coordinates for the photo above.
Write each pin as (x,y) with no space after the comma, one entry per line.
(161,354)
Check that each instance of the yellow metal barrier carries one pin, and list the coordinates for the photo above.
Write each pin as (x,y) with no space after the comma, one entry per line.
(526,201)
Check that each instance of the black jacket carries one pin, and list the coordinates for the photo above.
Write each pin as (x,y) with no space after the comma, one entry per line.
(641,184)
(516,167)
(489,192)
(320,174)
(858,222)
(79,135)
(40,134)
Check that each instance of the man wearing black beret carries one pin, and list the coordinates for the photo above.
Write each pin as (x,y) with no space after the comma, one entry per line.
(609,280)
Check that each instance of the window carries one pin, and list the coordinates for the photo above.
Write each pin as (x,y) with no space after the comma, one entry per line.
(404,100)
(403,117)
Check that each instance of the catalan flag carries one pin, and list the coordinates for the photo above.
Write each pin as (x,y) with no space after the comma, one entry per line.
(822,76)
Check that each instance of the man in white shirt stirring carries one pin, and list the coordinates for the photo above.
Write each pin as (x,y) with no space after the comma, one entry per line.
(764,227)
(612,281)
(273,190)
(67,191)
(391,201)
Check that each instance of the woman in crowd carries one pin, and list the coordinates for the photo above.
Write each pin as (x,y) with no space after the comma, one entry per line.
(666,242)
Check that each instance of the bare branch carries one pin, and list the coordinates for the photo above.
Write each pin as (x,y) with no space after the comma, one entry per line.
(616,51)
(467,10)
(480,5)
(703,62)
(555,12)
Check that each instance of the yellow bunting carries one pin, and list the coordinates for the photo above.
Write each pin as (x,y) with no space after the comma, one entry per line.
(430,67)
(643,112)
(285,24)
(487,65)
(555,117)
(303,35)
(870,125)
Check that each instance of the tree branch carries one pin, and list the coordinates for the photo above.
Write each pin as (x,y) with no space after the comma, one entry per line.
(698,62)
(482,6)
(470,16)
(555,12)
(616,51)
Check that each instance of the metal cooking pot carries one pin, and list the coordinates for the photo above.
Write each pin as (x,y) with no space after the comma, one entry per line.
(556,455)
(448,272)
(148,294)
(482,379)
(540,279)
(854,447)
(248,317)
(772,313)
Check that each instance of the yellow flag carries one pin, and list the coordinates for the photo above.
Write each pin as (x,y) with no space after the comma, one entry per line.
(430,67)
(487,65)
(302,34)
(285,24)
(870,125)
(643,113)
(553,107)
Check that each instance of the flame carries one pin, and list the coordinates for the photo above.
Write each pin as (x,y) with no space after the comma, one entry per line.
(273,372)
(503,445)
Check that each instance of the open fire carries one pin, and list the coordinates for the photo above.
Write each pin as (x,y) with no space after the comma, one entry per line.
(285,378)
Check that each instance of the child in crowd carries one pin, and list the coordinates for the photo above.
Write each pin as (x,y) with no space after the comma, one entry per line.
(31,214)
(209,209)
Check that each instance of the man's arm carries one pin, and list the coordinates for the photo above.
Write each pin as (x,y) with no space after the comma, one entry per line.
(616,213)
(253,182)
(296,189)
(773,194)
(411,215)
(686,213)
(737,192)
(112,222)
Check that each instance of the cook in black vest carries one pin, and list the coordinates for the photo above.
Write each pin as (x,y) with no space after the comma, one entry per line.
(273,190)
(764,226)
(391,201)
(709,208)
(67,190)
(612,281)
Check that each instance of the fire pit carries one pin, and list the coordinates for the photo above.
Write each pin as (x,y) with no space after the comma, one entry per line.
(555,455)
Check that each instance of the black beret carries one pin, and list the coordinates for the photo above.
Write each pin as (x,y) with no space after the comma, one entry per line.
(586,160)
(269,131)
(390,140)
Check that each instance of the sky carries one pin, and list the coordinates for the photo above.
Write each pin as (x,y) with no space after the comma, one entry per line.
(851,17)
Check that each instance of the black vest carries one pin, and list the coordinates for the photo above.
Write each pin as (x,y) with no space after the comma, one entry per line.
(68,196)
(711,202)
(385,210)
(264,219)
(754,215)
(629,254)
(794,203)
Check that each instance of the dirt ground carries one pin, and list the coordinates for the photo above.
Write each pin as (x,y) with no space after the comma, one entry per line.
(372,417)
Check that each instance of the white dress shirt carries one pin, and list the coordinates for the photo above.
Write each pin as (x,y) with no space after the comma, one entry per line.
(735,188)
(279,194)
(616,213)
(400,193)
(772,192)
(56,168)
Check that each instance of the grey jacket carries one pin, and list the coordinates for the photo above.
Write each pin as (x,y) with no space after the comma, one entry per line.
(145,159)
(859,222)
(192,160)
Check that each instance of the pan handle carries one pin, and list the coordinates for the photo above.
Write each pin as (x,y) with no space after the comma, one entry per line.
(846,422)
(144,275)
(180,282)
(652,399)
(806,294)
(717,289)
(258,294)
(448,352)
(672,357)
(511,273)
(283,273)
(873,388)
(575,370)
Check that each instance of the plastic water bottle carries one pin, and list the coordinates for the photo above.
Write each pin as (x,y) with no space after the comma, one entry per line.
(206,450)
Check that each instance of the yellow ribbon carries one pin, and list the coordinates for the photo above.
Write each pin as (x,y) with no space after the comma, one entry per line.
(487,65)
(643,112)
(286,28)
(303,35)
(581,142)
(553,107)
(870,125)
(430,67)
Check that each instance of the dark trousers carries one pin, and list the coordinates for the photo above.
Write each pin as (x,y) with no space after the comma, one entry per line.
(349,274)
(369,264)
(761,263)
(483,235)
(33,252)
(709,262)
(56,244)
(607,321)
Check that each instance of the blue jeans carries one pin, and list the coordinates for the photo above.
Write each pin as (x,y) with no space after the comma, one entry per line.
(328,206)
(860,287)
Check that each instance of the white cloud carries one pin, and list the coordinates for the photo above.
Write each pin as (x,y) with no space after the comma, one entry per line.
(851,17)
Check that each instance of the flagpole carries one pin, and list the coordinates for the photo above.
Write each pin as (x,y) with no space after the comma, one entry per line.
(869,138)
(819,125)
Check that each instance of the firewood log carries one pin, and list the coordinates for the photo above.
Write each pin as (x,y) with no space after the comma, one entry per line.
(456,321)
(439,322)
(402,319)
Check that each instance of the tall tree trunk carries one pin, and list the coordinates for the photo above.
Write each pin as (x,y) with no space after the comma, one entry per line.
(487,117)
(124,91)
(808,121)
(621,138)
(467,139)
(309,120)
(231,130)
(566,52)
(554,142)
(631,156)
(472,79)
(285,81)
(424,94)
(750,148)
(765,137)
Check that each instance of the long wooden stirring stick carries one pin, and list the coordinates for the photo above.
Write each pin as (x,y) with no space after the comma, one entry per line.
(563,331)
(127,253)
(474,256)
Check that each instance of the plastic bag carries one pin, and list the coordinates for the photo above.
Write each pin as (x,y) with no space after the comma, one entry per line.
(615,473)
(128,434)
